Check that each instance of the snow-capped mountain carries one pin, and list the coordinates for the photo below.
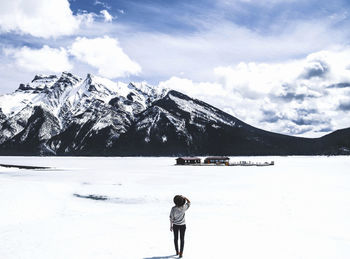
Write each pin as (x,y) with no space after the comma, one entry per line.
(68,115)
(62,113)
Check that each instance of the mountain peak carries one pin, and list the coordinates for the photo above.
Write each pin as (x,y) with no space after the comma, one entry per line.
(89,77)
(68,77)
(39,83)
(43,78)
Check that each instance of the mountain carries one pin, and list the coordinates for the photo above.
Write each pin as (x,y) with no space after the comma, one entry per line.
(68,115)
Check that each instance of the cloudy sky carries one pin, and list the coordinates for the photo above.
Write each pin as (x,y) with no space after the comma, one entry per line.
(280,65)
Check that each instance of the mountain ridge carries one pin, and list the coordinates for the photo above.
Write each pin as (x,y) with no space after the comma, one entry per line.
(68,115)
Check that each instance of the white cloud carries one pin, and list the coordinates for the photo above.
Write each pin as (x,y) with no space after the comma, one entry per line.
(221,43)
(106,15)
(45,59)
(193,88)
(105,5)
(106,55)
(40,18)
(308,96)
(253,80)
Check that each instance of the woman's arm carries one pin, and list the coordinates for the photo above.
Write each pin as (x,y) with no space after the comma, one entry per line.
(188,203)
(171,217)
(187,200)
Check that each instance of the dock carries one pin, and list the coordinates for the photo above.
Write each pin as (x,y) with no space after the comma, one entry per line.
(240,163)
(218,161)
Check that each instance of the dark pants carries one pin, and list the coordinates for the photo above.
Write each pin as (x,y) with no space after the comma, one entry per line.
(176,230)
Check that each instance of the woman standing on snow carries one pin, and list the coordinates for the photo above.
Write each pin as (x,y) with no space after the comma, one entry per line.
(177,221)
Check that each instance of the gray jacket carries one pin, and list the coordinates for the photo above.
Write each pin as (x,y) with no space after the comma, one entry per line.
(177,214)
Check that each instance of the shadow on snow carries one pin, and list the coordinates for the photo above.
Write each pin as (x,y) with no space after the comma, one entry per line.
(161,257)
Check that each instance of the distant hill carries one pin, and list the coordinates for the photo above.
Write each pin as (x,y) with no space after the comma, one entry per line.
(67,115)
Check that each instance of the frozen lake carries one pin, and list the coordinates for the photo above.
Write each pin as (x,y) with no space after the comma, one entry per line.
(299,208)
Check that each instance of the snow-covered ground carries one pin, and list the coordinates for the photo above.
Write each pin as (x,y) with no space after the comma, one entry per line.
(299,208)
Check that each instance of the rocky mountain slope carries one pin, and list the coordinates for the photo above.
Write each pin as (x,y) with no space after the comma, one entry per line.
(67,115)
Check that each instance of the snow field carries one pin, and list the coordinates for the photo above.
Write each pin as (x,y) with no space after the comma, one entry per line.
(299,208)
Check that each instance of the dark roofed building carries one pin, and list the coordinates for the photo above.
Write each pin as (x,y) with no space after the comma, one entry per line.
(188,160)
(217,160)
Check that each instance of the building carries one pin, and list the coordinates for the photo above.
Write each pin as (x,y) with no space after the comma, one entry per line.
(188,160)
(217,160)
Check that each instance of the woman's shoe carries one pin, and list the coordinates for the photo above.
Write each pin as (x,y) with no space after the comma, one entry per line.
(180,255)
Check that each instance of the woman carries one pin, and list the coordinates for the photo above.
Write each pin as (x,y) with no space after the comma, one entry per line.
(177,221)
